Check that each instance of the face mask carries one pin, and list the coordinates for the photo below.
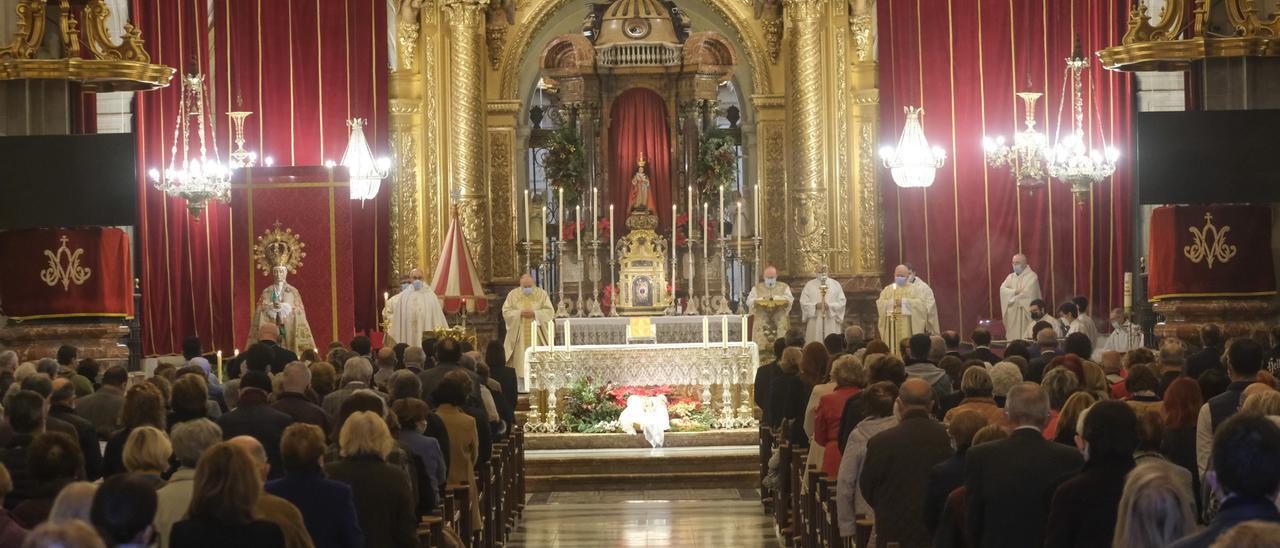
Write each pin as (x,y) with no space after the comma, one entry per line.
(1017,269)
(770,282)
(900,280)
(417,284)
(527,290)
(404,286)
(1115,326)
(1037,315)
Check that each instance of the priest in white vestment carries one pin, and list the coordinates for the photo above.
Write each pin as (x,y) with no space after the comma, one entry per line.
(822,303)
(931,325)
(389,312)
(1125,336)
(770,303)
(523,306)
(903,309)
(417,311)
(1017,291)
(281,305)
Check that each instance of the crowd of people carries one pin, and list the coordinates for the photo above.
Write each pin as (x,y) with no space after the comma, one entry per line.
(292,451)
(1037,445)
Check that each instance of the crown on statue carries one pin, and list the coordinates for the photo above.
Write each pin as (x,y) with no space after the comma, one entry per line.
(640,163)
(278,248)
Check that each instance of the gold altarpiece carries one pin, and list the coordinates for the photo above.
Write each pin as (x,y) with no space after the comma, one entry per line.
(456,113)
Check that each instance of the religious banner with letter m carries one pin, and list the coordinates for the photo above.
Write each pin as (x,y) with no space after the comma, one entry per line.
(66,273)
(1210,251)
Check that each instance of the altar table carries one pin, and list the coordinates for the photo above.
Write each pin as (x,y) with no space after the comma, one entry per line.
(722,373)
(667,329)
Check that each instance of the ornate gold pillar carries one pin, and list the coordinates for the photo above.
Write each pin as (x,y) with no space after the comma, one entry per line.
(406,120)
(805,94)
(867,221)
(466,146)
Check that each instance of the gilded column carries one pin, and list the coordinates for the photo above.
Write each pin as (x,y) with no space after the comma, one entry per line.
(467,124)
(868,225)
(808,135)
(406,123)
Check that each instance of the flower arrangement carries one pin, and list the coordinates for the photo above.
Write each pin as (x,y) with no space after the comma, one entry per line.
(621,393)
(717,164)
(568,231)
(564,164)
(682,229)
(589,408)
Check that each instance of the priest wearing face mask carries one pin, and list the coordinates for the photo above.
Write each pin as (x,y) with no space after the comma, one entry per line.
(417,310)
(822,303)
(903,307)
(1125,336)
(1019,290)
(770,302)
(389,310)
(931,324)
(523,306)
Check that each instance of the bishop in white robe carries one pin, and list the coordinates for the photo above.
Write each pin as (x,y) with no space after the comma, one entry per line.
(417,310)
(822,304)
(523,306)
(770,303)
(903,309)
(1017,291)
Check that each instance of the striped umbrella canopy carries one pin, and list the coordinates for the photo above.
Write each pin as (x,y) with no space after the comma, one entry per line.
(455,279)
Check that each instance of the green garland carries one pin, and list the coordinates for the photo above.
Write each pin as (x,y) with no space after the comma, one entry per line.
(565,163)
(589,409)
(717,164)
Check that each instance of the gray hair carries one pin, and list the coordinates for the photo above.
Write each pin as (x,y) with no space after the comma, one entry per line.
(1028,405)
(296,376)
(1059,383)
(48,366)
(8,359)
(357,369)
(849,371)
(377,395)
(468,361)
(1004,376)
(976,382)
(191,438)
(937,348)
(73,502)
(414,355)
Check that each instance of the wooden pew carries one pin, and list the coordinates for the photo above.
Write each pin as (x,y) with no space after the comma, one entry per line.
(782,495)
(766,452)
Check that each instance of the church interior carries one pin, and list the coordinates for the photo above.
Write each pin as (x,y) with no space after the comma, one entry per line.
(639,273)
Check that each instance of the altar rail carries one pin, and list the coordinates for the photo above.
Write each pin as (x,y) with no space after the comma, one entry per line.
(723,374)
(667,329)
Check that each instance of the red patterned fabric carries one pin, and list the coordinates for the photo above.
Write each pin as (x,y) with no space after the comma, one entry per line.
(65,273)
(302,68)
(960,62)
(638,123)
(1210,251)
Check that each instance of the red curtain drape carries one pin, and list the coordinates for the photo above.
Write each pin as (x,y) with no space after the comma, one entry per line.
(303,68)
(638,123)
(963,60)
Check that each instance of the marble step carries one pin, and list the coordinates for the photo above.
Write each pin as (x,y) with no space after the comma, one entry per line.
(728,467)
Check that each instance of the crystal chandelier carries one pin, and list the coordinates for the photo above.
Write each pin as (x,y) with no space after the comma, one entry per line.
(196,179)
(1071,160)
(1026,156)
(366,173)
(913,163)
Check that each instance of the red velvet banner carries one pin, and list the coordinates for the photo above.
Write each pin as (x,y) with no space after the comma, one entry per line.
(315,204)
(66,273)
(1210,251)
(963,60)
(638,123)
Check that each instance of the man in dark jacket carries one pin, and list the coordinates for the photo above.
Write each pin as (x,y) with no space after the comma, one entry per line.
(1047,341)
(1244,361)
(448,358)
(25,414)
(254,417)
(982,347)
(1211,354)
(62,407)
(1245,451)
(102,408)
(293,399)
(895,474)
(766,373)
(1009,482)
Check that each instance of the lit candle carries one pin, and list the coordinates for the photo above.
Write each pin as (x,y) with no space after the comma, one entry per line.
(724,332)
(744,330)
(706,232)
(706,335)
(611,233)
(737,230)
(560,217)
(595,213)
(533,334)
(386,296)
(546,219)
(673,250)
(757,212)
(528,230)
(720,212)
(568,334)
(689,208)
(577,229)
(219,353)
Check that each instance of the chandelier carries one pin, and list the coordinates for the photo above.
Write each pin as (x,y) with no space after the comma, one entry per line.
(366,173)
(1071,160)
(196,179)
(913,163)
(240,157)
(1026,156)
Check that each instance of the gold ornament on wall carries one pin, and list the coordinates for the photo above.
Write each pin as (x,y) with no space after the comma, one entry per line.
(68,273)
(278,247)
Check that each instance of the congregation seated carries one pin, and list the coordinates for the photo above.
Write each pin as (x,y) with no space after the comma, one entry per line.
(270,507)
(102,408)
(383,498)
(225,495)
(463,428)
(146,454)
(143,406)
(254,416)
(789,393)
(54,462)
(62,402)
(190,439)
(328,507)
(850,377)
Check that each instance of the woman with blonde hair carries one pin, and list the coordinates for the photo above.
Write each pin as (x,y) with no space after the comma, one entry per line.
(227,487)
(1155,509)
(144,405)
(383,496)
(73,502)
(147,453)
(1070,414)
(1265,404)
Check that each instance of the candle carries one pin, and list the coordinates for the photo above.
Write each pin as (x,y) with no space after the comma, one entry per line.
(577,229)
(724,332)
(219,353)
(757,211)
(737,230)
(689,209)
(595,213)
(386,296)
(551,335)
(528,230)
(720,212)
(673,250)
(533,334)
(1128,291)
(560,217)
(744,330)
(706,232)
(546,220)
(705,334)
(568,334)
(611,234)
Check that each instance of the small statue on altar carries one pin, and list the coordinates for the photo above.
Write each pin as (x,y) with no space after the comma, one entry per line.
(770,302)
(524,304)
(281,304)
(641,198)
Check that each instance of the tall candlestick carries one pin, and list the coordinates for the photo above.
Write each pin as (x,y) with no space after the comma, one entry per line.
(551,335)
(689,209)
(673,251)
(595,212)
(528,234)
(611,235)
(757,212)
(560,217)
(577,230)
(720,212)
(706,232)
(724,332)
(737,230)
(534,334)
(568,334)
(744,330)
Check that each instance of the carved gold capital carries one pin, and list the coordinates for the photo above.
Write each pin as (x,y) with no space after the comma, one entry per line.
(804,10)
(465,14)
(466,124)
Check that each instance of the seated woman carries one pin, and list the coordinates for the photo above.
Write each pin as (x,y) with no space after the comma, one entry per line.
(147,453)
(226,489)
(877,401)
(55,460)
(328,507)
(411,413)
(464,441)
(384,500)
